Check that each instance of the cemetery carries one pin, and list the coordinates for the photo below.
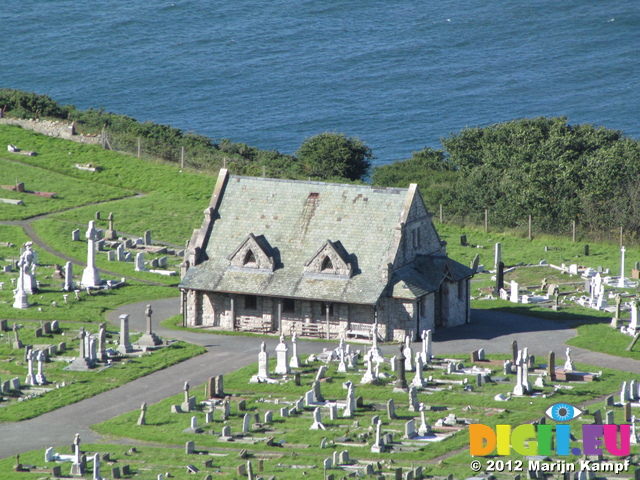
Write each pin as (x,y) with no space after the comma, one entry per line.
(318,421)
(357,407)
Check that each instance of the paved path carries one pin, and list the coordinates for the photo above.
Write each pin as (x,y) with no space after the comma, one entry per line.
(493,331)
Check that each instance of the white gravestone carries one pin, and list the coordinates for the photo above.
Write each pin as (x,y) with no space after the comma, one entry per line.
(91,275)
(282,354)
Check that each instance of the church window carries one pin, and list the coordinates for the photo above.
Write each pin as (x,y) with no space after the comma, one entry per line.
(288,305)
(326,264)
(249,259)
(250,302)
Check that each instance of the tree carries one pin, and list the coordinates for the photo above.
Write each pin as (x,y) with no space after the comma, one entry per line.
(333,155)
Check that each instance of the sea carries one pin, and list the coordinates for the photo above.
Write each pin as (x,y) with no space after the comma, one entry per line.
(399,75)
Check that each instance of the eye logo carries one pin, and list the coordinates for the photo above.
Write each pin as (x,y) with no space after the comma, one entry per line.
(563,412)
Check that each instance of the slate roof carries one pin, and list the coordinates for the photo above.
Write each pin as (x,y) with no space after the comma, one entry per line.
(296,219)
(425,275)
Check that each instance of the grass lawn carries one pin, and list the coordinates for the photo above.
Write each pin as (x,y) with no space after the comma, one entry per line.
(605,339)
(90,308)
(15,235)
(516,250)
(171,211)
(70,192)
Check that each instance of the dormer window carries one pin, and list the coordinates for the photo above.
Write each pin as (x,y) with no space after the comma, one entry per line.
(253,255)
(249,259)
(330,261)
(326,265)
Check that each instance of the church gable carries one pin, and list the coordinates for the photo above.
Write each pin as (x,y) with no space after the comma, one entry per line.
(253,255)
(331,259)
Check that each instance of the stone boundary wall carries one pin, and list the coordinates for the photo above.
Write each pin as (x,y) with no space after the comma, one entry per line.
(59,128)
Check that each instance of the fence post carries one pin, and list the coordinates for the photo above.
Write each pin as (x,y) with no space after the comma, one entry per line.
(529,227)
(573,231)
(440,213)
(139,147)
(486,220)
(182,158)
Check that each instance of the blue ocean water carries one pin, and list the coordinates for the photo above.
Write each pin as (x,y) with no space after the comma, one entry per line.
(397,74)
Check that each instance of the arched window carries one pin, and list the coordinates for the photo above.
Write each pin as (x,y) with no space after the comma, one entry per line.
(249,259)
(326,264)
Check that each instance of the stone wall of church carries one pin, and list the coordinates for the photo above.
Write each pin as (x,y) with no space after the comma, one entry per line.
(193,309)
(457,303)
(399,317)
(215,309)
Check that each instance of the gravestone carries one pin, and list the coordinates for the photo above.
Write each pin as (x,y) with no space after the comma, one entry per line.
(124,346)
(120,253)
(111,234)
(147,237)
(139,262)
(410,430)
(91,275)
(597,417)
(391,409)
(142,420)
(414,406)
(225,436)
(551,366)
(499,278)
(149,339)
(401,382)
(609,420)
(263,366)
(246,423)
(295,360)
(190,447)
(282,358)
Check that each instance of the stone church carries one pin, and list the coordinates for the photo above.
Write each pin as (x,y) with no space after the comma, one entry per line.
(320,259)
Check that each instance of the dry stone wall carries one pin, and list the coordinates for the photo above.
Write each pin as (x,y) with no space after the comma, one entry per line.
(60,129)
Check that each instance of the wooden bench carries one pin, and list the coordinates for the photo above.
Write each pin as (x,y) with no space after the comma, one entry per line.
(247,324)
(360,330)
(318,330)
(310,330)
